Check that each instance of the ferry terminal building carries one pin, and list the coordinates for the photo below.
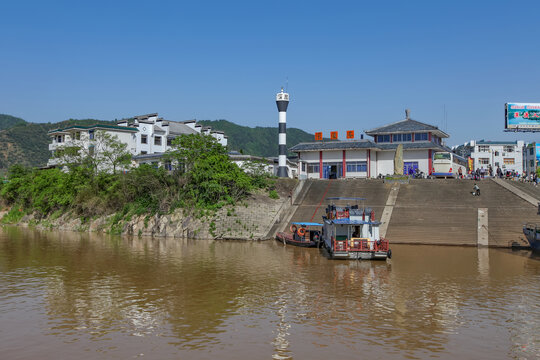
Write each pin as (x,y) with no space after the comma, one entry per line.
(367,158)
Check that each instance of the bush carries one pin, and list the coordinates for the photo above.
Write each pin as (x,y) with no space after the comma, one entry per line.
(273,194)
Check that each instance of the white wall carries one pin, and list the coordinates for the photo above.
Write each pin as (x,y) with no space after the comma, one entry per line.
(385,162)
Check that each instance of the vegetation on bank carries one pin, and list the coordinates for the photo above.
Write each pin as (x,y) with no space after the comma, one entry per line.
(203,178)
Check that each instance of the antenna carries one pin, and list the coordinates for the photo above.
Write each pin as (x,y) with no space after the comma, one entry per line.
(287,84)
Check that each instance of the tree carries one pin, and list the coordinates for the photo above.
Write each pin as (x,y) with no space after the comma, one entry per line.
(103,153)
(211,177)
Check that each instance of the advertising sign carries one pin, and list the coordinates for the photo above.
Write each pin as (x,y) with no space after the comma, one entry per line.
(318,136)
(333,135)
(522,116)
(350,134)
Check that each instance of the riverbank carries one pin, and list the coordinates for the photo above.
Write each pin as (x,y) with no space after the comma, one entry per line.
(250,219)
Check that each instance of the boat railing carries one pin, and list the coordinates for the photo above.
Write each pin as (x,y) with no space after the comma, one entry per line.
(360,244)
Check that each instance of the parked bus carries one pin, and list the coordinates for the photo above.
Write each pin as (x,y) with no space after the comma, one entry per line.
(447,164)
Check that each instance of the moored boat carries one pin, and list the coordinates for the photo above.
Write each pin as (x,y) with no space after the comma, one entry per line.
(532,233)
(302,234)
(351,232)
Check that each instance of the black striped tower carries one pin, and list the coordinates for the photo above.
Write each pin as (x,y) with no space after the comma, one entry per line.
(282,101)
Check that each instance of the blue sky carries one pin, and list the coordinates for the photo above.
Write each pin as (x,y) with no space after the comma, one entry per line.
(350,65)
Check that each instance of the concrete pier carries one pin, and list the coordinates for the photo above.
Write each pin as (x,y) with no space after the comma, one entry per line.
(387,212)
(483,233)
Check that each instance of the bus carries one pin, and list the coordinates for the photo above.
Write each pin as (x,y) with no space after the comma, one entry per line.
(447,164)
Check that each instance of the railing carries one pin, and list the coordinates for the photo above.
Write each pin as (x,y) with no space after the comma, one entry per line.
(360,244)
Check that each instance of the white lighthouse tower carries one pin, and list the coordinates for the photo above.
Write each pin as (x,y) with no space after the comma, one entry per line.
(282,101)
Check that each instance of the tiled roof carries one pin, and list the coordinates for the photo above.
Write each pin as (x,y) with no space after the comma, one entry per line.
(405,126)
(97,126)
(417,145)
(488,142)
(334,145)
(177,128)
(365,144)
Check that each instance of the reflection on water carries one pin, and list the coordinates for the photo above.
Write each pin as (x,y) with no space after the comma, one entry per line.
(89,296)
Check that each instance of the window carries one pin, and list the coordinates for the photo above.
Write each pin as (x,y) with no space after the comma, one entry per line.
(497,164)
(144,139)
(157,140)
(91,150)
(77,135)
(303,167)
(169,142)
(420,137)
(407,137)
(356,166)
(144,152)
(509,161)
(396,138)
(383,138)
(441,156)
(483,161)
(168,166)
(91,134)
(483,148)
(531,151)
(496,153)
(59,138)
(508,149)
(313,168)
(531,163)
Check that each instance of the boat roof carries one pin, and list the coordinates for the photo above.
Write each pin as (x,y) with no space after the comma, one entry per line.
(353,222)
(307,223)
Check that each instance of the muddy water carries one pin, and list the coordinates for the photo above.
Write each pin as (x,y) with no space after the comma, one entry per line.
(65,295)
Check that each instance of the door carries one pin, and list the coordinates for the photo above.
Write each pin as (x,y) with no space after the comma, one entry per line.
(409,168)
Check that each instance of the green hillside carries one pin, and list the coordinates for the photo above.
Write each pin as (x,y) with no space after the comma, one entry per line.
(260,141)
(28,143)
(7,121)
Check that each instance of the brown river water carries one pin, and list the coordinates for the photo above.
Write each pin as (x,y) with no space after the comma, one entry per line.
(80,296)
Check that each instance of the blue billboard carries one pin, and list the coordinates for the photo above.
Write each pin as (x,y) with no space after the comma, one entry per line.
(522,116)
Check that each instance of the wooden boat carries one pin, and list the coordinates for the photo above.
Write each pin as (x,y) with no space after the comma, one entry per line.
(350,232)
(301,234)
(532,233)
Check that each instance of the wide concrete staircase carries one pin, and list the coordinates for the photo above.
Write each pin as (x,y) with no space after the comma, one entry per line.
(314,203)
(430,211)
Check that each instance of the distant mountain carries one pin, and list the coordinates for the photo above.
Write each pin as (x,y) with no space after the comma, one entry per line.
(7,121)
(27,143)
(260,141)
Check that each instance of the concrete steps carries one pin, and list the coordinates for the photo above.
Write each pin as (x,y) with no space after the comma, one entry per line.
(430,211)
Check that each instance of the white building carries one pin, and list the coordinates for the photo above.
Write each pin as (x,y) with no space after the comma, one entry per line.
(362,158)
(507,155)
(144,135)
(531,157)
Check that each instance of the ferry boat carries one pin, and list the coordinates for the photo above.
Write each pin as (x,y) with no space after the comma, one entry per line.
(532,233)
(351,232)
(302,234)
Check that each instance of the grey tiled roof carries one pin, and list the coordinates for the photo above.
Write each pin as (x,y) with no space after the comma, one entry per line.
(404,126)
(365,144)
(420,145)
(176,128)
(334,145)
(488,142)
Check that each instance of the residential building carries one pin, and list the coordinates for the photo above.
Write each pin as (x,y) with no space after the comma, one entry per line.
(366,158)
(508,155)
(143,134)
(531,157)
